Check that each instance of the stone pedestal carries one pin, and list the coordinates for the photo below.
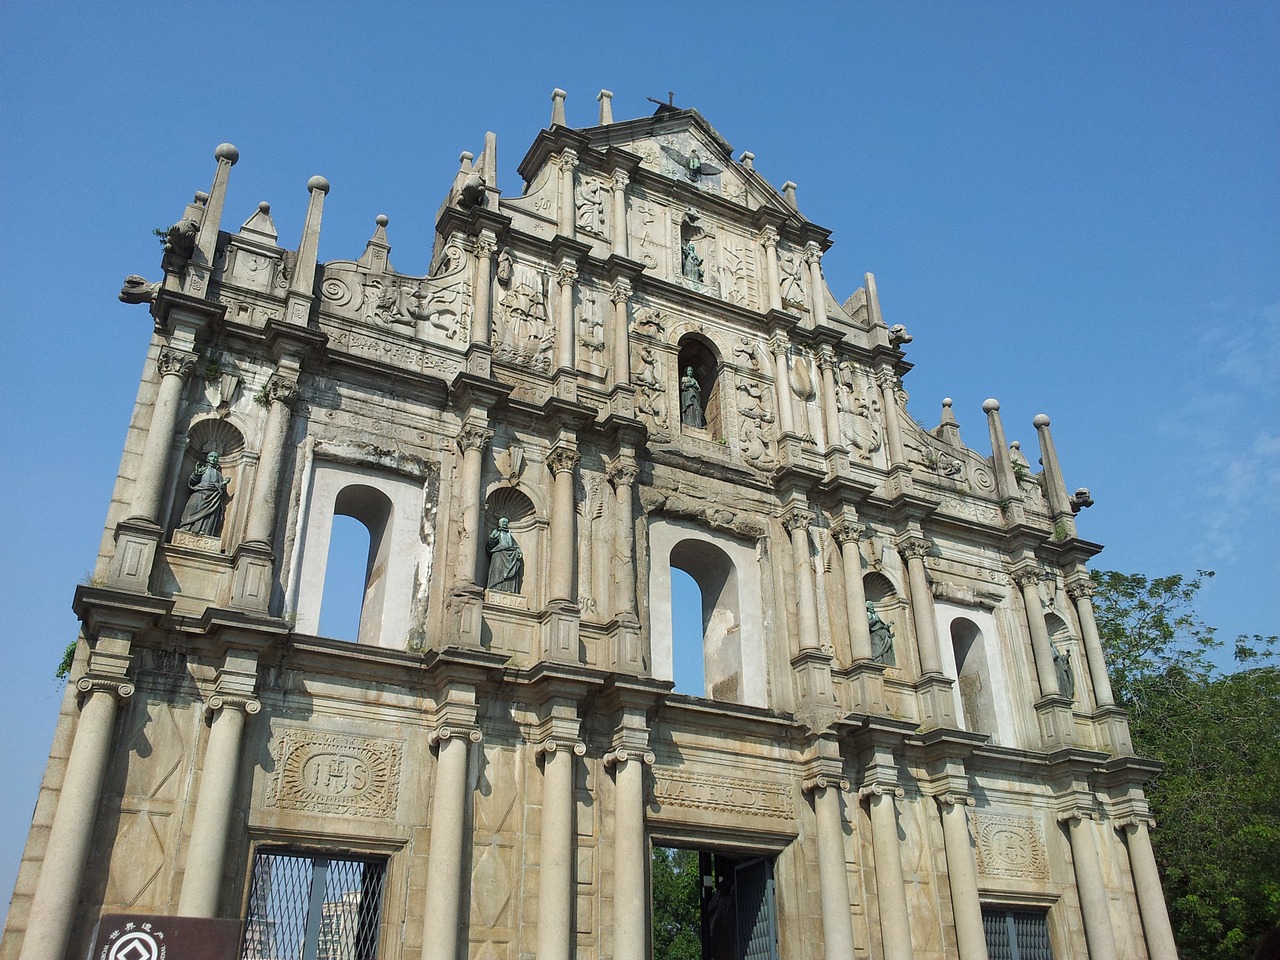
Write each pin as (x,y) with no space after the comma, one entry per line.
(1057,723)
(252,578)
(136,545)
(466,613)
(560,632)
(865,682)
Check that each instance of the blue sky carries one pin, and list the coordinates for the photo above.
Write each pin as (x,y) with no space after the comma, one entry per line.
(1073,207)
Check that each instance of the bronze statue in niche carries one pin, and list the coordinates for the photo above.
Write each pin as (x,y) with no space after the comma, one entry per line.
(207,503)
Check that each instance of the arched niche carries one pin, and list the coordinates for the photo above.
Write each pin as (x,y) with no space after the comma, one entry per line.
(891,607)
(727,572)
(400,556)
(699,354)
(973,676)
(523,523)
(1066,658)
(214,435)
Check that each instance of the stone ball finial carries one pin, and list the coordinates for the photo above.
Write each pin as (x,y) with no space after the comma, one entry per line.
(465,157)
(946,402)
(381,220)
(227,152)
(318,183)
(264,207)
(1016,445)
(990,405)
(1040,420)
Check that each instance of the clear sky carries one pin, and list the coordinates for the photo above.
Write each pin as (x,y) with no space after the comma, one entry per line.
(1073,207)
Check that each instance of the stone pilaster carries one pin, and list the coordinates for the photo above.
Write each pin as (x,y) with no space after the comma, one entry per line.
(627,758)
(1146,884)
(483,247)
(887,381)
(619,185)
(557,745)
(565,220)
(232,700)
(566,335)
(824,779)
(817,298)
(830,407)
(936,699)
(962,875)
(891,891)
(1057,725)
(1099,932)
(55,903)
(620,369)
(780,346)
(768,239)
(1080,590)
(466,596)
(561,637)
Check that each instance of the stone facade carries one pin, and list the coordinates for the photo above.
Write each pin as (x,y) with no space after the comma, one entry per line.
(907,717)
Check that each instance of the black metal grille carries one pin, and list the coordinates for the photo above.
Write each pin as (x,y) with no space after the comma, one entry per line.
(313,908)
(1016,934)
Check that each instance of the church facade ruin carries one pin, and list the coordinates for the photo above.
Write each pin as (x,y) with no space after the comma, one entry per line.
(907,745)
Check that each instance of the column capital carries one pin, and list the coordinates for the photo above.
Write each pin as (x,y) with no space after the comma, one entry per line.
(1132,823)
(90,684)
(566,273)
(622,473)
(848,531)
(567,160)
(1029,575)
(879,789)
(954,798)
(234,701)
(473,437)
(562,460)
(916,547)
(768,236)
(780,343)
(827,357)
(621,755)
(281,388)
(551,744)
(485,244)
(821,771)
(621,290)
(888,380)
(448,730)
(797,518)
(620,179)
(812,252)
(1081,588)
(173,362)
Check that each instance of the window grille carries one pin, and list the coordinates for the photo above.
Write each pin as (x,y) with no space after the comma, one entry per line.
(1016,934)
(313,908)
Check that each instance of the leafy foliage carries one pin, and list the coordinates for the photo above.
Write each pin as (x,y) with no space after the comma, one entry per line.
(677,909)
(1216,804)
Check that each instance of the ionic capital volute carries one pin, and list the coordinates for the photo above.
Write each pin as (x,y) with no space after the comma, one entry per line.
(447,731)
(881,789)
(90,684)
(621,755)
(955,798)
(233,701)
(552,744)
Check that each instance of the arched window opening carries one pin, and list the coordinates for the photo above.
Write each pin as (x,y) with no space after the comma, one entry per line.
(699,408)
(716,579)
(688,669)
(344,576)
(357,565)
(885,606)
(973,676)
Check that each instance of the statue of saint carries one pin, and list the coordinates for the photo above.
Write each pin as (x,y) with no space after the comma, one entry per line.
(881,638)
(691,414)
(203,512)
(1066,673)
(690,262)
(506,559)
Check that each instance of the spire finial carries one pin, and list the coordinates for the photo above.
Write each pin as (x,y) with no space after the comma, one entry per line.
(557,107)
(606,106)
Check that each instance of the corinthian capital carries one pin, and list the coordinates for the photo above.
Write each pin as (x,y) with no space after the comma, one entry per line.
(847,531)
(622,473)
(567,160)
(1081,589)
(173,362)
(768,236)
(562,460)
(620,179)
(281,389)
(812,252)
(1028,576)
(797,519)
(914,547)
(473,437)
(484,245)
(621,291)
(566,273)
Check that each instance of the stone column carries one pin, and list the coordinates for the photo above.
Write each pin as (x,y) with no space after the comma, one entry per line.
(895,925)
(1080,591)
(817,299)
(482,314)
(830,406)
(567,161)
(797,525)
(281,391)
(620,295)
(1098,931)
(837,926)
(769,240)
(888,383)
(202,876)
(55,904)
(1028,580)
(1146,883)
(620,181)
(848,534)
(913,551)
(782,384)
(962,875)
(622,473)
(561,462)
(148,489)
(555,872)
(443,910)
(631,858)
(472,439)
(566,337)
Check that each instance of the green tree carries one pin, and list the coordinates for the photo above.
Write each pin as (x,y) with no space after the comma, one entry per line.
(1216,805)
(677,908)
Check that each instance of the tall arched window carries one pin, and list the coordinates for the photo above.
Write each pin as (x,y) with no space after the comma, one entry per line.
(697,354)
(712,571)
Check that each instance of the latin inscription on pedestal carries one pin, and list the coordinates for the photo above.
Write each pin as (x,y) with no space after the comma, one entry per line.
(752,797)
(337,774)
(1010,847)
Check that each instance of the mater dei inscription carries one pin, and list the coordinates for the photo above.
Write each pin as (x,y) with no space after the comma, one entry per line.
(331,773)
(1010,847)
(753,797)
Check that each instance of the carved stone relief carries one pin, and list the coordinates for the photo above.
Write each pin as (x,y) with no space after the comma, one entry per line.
(757,798)
(647,223)
(859,414)
(524,333)
(335,774)
(589,207)
(791,277)
(754,424)
(590,495)
(1010,846)
(651,401)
